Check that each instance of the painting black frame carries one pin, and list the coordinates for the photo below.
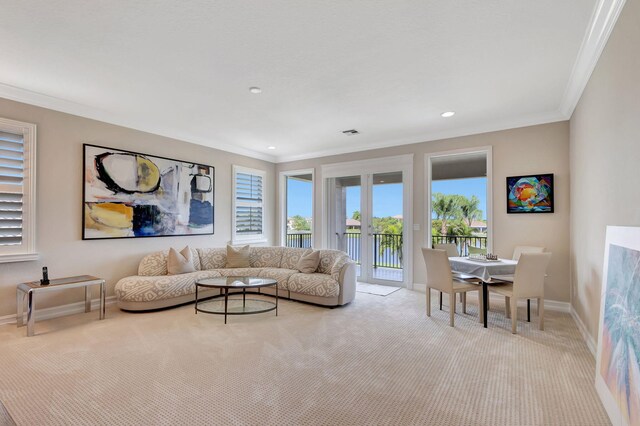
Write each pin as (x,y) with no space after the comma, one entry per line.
(213,193)
(538,175)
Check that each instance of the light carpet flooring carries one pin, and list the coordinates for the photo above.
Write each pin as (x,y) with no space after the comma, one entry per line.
(379,360)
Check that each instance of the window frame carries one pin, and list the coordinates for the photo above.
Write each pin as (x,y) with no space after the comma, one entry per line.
(253,238)
(26,251)
(283,196)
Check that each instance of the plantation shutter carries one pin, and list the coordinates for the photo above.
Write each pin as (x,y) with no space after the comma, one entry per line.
(249,190)
(12,158)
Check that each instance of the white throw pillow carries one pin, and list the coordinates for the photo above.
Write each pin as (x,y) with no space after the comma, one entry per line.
(238,257)
(180,263)
(309,262)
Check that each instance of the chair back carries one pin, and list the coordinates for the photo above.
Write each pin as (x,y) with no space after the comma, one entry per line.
(438,269)
(450,248)
(525,249)
(530,272)
(477,250)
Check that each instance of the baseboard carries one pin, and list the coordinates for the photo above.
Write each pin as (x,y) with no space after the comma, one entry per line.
(589,340)
(59,311)
(550,305)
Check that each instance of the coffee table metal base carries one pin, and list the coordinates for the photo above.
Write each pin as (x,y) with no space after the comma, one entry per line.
(235,306)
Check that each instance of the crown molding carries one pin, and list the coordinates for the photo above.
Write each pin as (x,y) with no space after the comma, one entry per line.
(62,105)
(493,126)
(603,20)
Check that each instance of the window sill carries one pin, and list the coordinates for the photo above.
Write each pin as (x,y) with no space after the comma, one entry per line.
(18,257)
(249,241)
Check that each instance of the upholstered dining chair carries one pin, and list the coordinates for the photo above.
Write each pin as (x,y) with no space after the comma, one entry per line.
(452,251)
(450,248)
(509,278)
(525,249)
(528,283)
(516,256)
(439,278)
(477,250)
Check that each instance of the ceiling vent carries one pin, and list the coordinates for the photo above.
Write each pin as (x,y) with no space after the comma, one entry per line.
(351,132)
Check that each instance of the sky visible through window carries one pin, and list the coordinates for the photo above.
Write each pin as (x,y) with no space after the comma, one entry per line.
(466,187)
(387,199)
(299,198)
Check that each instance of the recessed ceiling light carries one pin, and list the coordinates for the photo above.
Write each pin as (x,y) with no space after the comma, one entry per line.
(255,90)
(271,147)
(448,114)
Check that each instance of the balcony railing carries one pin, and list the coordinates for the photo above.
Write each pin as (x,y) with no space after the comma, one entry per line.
(463,243)
(299,239)
(387,248)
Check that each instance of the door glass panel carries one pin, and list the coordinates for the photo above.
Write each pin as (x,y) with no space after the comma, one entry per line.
(348,217)
(387,227)
(299,193)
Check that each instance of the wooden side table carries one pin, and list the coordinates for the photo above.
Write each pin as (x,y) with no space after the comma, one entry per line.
(29,290)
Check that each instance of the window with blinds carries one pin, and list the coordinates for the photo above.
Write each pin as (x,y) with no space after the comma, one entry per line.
(248,203)
(17,191)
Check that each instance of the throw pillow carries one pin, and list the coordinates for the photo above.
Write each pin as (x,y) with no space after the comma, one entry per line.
(238,257)
(180,263)
(309,262)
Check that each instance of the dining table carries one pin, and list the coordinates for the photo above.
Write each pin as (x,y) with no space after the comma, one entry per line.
(487,271)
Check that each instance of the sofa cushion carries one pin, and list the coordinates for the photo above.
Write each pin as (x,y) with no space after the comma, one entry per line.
(327,259)
(314,284)
(278,274)
(155,264)
(239,272)
(291,256)
(238,257)
(213,258)
(145,288)
(180,262)
(266,257)
(309,262)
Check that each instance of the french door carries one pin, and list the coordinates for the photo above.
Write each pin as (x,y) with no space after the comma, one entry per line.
(365,217)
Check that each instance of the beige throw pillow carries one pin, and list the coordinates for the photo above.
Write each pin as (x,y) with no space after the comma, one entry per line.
(180,263)
(238,257)
(309,262)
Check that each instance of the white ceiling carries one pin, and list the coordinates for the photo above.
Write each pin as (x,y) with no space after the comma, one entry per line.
(387,68)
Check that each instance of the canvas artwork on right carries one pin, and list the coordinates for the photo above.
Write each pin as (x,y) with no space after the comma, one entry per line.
(530,194)
(618,356)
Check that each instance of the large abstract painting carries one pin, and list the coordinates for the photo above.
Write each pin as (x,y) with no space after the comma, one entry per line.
(618,357)
(128,194)
(530,194)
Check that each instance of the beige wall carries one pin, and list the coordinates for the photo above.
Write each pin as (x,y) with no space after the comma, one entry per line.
(536,149)
(59,198)
(605,159)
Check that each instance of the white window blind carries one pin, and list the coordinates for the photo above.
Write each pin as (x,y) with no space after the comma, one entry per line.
(11,179)
(248,204)
(17,191)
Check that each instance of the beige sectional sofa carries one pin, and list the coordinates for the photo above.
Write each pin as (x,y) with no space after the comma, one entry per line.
(333,283)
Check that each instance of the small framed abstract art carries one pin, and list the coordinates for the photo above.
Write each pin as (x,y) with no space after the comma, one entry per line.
(129,195)
(618,354)
(530,194)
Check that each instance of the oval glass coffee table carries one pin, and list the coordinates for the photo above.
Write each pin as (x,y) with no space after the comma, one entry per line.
(235,306)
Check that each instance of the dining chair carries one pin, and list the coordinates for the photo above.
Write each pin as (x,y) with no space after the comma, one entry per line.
(477,250)
(509,278)
(525,249)
(439,277)
(450,248)
(452,251)
(528,283)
